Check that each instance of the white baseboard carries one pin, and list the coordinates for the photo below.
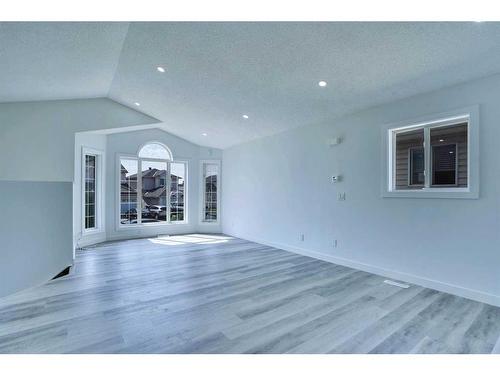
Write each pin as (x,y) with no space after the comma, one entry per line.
(96,239)
(132,236)
(91,239)
(472,294)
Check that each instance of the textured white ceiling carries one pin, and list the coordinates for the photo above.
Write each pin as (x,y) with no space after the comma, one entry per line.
(44,61)
(215,72)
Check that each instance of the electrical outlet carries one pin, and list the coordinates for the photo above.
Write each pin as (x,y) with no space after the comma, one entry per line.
(341,196)
(336,179)
(301,237)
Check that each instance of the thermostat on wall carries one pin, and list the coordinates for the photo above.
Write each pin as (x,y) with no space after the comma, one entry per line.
(334,141)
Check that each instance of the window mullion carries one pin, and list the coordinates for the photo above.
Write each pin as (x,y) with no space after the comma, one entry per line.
(427,157)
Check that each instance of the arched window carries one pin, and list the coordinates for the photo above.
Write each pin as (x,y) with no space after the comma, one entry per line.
(152,187)
(155,150)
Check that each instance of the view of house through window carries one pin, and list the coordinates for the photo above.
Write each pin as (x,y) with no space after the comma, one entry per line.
(449,156)
(153,185)
(90,191)
(154,191)
(431,156)
(128,191)
(409,160)
(417,166)
(177,190)
(210,185)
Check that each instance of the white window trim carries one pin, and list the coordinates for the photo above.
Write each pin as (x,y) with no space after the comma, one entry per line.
(170,155)
(99,208)
(202,193)
(471,114)
(119,225)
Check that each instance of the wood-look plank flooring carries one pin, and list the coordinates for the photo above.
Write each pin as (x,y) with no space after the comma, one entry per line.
(217,294)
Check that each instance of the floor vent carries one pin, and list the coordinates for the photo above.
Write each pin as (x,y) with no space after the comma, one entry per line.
(395,283)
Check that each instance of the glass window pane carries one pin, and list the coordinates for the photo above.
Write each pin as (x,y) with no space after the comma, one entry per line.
(90,191)
(210,173)
(444,167)
(177,189)
(154,193)
(409,160)
(449,156)
(417,166)
(128,191)
(154,151)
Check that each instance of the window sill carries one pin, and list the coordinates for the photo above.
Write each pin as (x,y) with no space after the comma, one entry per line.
(206,222)
(150,225)
(91,232)
(439,193)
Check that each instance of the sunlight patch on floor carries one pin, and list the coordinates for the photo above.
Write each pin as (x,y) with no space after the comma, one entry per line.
(208,239)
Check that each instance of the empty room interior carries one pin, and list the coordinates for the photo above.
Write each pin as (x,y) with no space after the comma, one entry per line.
(249,187)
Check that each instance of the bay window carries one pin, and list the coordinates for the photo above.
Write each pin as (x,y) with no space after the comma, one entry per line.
(152,187)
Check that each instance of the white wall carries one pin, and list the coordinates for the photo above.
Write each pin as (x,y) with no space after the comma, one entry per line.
(278,187)
(37,138)
(129,143)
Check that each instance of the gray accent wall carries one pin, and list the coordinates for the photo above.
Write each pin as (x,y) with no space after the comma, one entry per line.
(37,168)
(35,232)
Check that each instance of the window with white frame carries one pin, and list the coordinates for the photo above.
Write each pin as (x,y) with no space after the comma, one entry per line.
(91,189)
(177,191)
(210,181)
(433,158)
(152,187)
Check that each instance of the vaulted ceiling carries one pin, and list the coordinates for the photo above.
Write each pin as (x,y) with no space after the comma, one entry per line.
(217,72)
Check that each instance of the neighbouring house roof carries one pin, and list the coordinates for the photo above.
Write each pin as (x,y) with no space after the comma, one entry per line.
(160,173)
(152,172)
(155,193)
(158,192)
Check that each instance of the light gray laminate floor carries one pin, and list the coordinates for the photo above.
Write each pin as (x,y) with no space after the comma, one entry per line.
(216,294)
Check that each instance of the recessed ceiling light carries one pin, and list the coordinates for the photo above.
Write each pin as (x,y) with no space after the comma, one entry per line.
(161,69)
(137,104)
(451,152)
(322,83)
(204,134)
(245,116)
(441,140)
